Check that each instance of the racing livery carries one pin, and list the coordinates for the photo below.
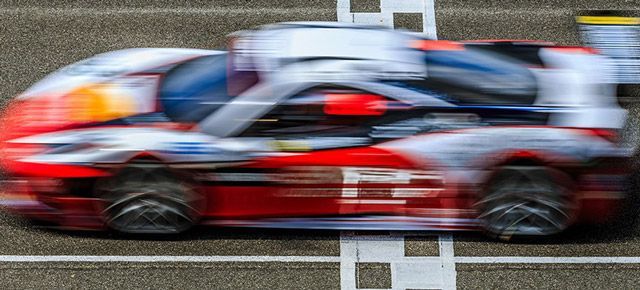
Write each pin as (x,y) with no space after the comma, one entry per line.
(369,129)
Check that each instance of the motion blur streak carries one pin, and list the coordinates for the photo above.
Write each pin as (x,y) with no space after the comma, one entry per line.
(324,125)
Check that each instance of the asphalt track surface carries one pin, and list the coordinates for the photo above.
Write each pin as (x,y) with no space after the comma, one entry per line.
(37,37)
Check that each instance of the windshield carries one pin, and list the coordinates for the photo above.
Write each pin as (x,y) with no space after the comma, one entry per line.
(195,89)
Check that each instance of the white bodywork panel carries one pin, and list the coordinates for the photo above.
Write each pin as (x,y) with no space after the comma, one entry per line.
(304,51)
(578,82)
(109,66)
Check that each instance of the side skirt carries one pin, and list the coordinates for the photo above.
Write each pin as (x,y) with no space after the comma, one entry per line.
(355,223)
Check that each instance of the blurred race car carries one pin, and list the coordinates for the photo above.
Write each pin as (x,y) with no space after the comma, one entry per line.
(322,126)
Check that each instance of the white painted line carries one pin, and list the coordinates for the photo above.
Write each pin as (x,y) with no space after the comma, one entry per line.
(163,259)
(547,260)
(447,257)
(429,19)
(348,258)
(320,259)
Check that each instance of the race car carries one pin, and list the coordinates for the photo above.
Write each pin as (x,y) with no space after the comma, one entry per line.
(368,128)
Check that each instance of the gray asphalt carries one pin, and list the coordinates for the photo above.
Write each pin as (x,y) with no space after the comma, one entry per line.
(171,276)
(36,37)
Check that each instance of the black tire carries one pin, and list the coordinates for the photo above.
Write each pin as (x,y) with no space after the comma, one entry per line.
(149,199)
(526,201)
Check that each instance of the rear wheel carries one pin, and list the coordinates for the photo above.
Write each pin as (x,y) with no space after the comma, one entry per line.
(148,199)
(526,201)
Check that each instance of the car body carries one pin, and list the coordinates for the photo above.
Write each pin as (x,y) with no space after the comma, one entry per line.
(385,132)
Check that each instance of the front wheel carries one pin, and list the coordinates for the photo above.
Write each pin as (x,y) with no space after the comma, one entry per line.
(526,201)
(148,199)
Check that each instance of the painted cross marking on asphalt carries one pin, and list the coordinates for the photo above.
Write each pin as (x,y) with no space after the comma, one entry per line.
(386,15)
(406,272)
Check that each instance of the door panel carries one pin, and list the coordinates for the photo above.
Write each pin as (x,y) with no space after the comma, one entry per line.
(363,180)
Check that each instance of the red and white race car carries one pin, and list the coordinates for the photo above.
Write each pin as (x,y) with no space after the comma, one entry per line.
(395,133)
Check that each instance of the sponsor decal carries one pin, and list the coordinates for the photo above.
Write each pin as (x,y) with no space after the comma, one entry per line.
(338,182)
(360,182)
(316,143)
(290,145)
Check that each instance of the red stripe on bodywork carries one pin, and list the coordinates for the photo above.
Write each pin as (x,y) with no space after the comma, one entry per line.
(369,156)
(52,170)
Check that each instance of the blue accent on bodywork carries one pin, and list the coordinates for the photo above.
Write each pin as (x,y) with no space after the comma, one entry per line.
(458,60)
(194,89)
(190,148)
